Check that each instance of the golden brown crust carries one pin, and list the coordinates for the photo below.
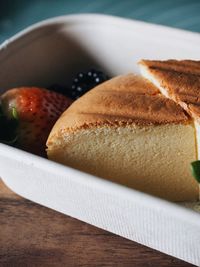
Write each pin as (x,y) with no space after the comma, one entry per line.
(181,80)
(123,100)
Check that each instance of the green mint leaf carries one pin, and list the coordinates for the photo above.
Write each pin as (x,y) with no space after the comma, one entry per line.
(195,168)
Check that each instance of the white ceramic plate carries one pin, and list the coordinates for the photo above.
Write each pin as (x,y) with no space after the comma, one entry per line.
(52,52)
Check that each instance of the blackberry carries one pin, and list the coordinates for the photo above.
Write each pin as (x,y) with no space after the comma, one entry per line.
(84,81)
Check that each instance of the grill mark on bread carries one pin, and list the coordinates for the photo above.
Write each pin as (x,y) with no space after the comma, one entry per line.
(177,72)
(182,66)
(180,79)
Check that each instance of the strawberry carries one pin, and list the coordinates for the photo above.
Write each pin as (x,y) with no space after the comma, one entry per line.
(27,116)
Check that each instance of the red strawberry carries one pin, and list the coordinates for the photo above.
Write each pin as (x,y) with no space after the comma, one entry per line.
(32,112)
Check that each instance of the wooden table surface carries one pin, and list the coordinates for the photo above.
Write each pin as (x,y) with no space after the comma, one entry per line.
(32,235)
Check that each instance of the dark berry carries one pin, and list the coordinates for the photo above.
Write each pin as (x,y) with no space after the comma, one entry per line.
(84,81)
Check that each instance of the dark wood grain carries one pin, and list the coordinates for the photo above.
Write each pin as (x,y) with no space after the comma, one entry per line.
(32,235)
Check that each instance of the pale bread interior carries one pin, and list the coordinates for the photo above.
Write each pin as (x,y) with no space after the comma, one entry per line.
(125,130)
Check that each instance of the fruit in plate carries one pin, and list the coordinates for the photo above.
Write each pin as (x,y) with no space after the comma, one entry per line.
(84,81)
(81,83)
(124,130)
(27,116)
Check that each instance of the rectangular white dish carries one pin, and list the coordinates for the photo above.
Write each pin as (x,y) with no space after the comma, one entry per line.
(52,52)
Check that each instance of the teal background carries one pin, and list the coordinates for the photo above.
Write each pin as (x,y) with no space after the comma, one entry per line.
(15,15)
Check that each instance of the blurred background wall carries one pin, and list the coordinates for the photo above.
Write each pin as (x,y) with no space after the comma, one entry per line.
(18,14)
